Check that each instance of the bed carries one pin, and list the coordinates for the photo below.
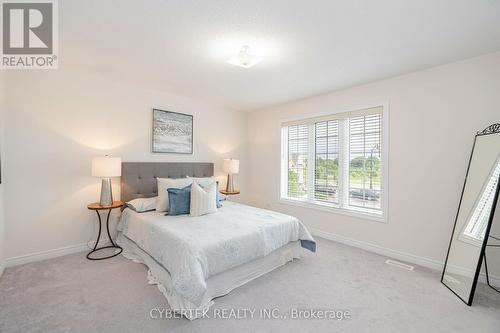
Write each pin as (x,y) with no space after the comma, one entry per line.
(194,260)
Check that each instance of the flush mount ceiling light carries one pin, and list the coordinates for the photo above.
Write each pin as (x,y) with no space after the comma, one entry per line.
(244,58)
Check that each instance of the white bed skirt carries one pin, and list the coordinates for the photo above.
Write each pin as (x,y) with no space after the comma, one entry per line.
(217,285)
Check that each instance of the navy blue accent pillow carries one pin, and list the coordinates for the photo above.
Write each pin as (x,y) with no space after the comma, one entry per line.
(179,200)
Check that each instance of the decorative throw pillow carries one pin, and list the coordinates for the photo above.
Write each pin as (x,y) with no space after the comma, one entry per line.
(219,200)
(179,200)
(141,205)
(203,199)
(163,185)
(204,182)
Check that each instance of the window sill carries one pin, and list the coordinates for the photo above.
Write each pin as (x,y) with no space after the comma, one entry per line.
(349,212)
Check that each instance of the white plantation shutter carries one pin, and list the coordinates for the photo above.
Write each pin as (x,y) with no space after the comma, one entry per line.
(298,150)
(326,171)
(335,160)
(365,151)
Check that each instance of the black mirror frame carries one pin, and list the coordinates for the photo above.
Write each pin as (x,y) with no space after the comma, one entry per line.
(492,129)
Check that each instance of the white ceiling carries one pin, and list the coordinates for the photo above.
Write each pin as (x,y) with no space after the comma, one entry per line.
(309,47)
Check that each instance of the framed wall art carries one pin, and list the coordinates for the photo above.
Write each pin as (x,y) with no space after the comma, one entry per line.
(172,132)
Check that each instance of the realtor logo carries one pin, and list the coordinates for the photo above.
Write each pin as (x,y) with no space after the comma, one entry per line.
(29,34)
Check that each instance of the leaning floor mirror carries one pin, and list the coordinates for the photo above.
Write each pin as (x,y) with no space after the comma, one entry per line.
(471,233)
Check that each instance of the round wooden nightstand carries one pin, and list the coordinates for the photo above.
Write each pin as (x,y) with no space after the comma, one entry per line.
(97,207)
(227,193)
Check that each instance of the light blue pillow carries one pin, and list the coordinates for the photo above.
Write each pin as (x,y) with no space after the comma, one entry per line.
(179,200)
(218,198)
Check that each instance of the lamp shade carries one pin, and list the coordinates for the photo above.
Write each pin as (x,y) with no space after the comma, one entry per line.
(231,166)
(106,166)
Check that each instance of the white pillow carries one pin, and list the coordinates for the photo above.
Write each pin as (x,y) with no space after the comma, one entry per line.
(163,185)
(143,204)
(203,181)
(203,199)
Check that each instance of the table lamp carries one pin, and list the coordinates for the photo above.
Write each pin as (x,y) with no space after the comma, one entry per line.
(230,167)
(106,167)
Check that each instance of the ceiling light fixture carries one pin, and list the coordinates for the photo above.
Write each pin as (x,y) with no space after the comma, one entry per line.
(244,58)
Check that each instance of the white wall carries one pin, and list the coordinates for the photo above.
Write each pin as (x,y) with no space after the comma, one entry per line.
(434,115)
(2,147)
(59,119)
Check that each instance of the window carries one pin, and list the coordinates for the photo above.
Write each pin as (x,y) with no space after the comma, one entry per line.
(297,168)
(326,167)
(335,161)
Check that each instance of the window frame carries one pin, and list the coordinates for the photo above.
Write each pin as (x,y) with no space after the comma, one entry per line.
(340,208)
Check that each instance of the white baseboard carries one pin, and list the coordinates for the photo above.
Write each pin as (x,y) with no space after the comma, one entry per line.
(43,255)
(402,256)
(421,261)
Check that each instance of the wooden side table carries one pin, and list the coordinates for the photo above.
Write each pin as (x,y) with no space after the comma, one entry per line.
(227,193)
(97,207)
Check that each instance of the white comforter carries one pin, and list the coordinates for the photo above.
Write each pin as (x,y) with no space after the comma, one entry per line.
(192,249)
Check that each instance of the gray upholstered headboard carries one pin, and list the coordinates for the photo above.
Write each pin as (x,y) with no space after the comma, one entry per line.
(139,178)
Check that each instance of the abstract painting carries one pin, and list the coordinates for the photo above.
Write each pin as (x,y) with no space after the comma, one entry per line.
(172,132)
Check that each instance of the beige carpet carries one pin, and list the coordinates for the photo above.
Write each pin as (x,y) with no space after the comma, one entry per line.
(72,294)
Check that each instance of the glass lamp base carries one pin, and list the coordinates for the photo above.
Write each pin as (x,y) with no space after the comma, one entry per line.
(106,193)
